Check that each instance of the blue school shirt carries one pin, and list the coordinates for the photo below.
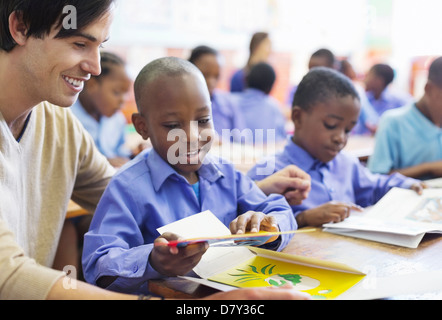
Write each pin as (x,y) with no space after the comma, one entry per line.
(109,133)
(405,138)
(368,115)
(238,81)
(146,194)
(261,112)
(225,113)
(342,179)
(388,100)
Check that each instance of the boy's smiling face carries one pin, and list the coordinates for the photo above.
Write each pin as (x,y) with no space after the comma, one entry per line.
(177,117)
(323,130)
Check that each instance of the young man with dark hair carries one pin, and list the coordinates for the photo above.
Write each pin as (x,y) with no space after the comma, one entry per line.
(45,155)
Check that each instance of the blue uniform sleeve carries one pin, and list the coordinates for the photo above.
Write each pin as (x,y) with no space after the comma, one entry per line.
(369,187)
(114,245)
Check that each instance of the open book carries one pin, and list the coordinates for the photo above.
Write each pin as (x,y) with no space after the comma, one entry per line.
(245,266)
(401,217)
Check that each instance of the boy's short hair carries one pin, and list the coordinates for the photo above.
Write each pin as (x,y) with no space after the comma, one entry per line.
(435,72)
(168,66)
(200,51)
(327,54)
(384,71)
(40,16)
(262,76)
(321,84)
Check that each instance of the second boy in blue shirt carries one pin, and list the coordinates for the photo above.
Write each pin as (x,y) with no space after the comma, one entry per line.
(325,110)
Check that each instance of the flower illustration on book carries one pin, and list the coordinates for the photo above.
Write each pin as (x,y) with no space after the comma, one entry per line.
(300,282)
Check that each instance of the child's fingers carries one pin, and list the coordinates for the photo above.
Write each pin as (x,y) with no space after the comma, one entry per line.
(164,239)
(269,223)
(239,225)
(295,197)
(356,207)
(194,249)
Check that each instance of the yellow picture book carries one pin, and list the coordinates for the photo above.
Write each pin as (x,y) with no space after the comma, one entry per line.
(321,279)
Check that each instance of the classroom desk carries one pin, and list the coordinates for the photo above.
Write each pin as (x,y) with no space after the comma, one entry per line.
(386,260)
(74,210)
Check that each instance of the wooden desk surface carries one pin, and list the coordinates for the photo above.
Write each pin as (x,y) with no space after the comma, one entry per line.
(383,259)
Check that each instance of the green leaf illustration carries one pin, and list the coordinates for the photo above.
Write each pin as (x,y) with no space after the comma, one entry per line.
(293,278)
(253,268)
(263,270)
(271,269)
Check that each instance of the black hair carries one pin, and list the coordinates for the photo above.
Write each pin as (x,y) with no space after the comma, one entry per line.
(321,84)
(108,60)
(435,72)
(261,77)
(167,66)
(384,71)
(42,15)
(327,54)
(200,51)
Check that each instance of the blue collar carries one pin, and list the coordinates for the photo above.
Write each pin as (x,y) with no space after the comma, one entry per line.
(301,158)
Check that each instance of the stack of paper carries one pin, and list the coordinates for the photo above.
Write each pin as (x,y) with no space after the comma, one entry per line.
(401,217)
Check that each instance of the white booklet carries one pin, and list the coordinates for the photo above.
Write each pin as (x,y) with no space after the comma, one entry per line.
(401,217)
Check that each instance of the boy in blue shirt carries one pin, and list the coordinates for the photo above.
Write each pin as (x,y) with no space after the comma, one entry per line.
(174,180)
(380,95)
(260,111)
(325,109)
(409,139)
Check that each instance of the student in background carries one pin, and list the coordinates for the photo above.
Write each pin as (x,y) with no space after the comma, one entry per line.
(325,58)
(177,178)
(409,139)
(99,108)
(325,109)
(320,58)
(224,112)
(380,95)
(368,118)
(260,49)
(260,111)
